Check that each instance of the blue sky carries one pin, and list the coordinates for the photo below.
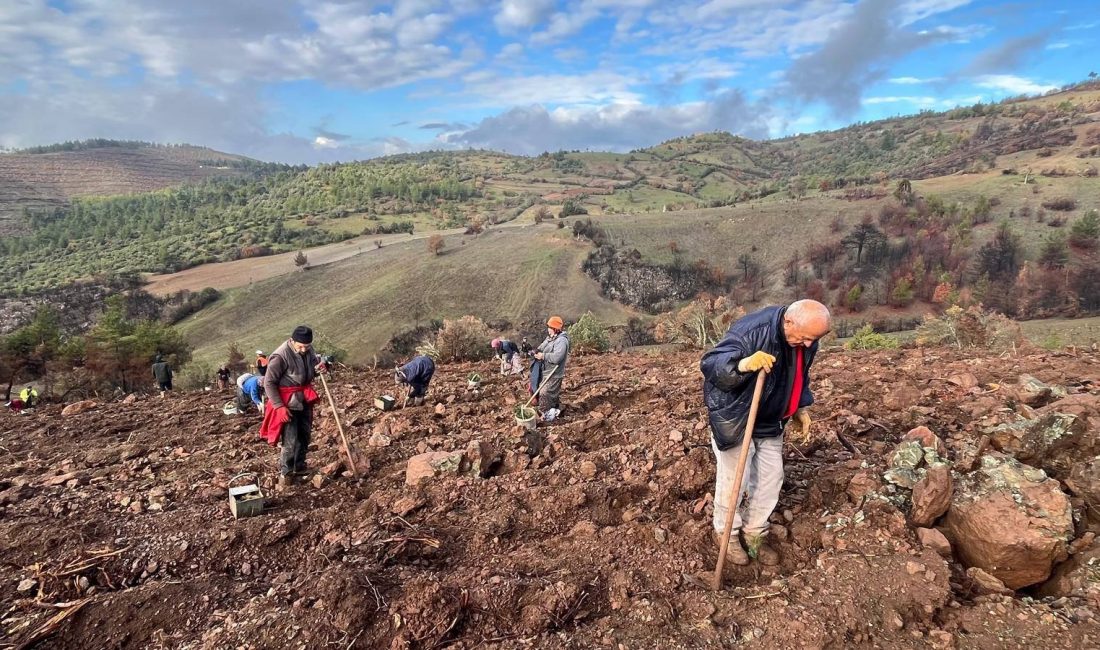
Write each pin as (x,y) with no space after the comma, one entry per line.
(321,80)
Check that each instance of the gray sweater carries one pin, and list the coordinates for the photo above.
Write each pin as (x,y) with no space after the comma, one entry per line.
(285,367)
(554,351)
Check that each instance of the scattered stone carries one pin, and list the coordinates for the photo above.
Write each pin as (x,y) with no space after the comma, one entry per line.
(1034,393)
(901,397)
(935,540)
(588,469)
(1076,577)
(405,505)
(431,464)
(1010,520)
(26,585)
(129,399)
(1053,442)
(927,439)
(1082,543)
(332,469)
(440,409)
(676,436)
(79,407)
(932,496)
(660,534)
(912,567)
(319,481)
(964,380)
(985,583)
(862,484)
(378,439)
(246,569)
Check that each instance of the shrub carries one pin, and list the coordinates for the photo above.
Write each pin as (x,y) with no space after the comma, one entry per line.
(973,327)
(1085,232)
(700,324)
(235,359)
(868,339)
(588,335)
(462,339)
(570,208)
(1063,204)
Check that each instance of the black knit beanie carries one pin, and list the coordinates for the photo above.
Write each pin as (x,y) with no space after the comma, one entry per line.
(302,334)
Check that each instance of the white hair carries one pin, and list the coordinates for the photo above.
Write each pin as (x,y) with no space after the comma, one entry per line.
(802,312)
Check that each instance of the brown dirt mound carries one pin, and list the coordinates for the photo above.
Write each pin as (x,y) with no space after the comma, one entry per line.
(593,542)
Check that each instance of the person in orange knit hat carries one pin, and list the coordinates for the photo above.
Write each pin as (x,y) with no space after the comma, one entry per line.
(552,354)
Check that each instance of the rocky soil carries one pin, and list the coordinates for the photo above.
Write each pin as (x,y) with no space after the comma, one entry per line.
(974,531)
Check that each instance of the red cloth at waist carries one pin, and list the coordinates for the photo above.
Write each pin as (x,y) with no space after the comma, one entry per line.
(796,385)
(275,418)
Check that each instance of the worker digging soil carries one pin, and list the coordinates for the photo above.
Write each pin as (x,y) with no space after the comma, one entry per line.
(782,342)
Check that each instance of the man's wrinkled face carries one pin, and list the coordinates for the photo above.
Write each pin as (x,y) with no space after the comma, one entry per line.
(803,334)
(300,348)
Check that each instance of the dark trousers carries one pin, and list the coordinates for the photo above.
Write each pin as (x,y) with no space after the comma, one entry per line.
(295,438)
(550,397)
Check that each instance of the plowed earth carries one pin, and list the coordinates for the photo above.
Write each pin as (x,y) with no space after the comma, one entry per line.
(118,518)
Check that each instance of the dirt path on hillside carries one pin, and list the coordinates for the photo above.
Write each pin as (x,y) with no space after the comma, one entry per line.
(587,536)
(239,273)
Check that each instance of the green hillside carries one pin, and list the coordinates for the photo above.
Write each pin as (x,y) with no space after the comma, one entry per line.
(519,276)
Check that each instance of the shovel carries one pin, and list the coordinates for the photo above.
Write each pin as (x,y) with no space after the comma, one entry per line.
(716,580)
(339,427)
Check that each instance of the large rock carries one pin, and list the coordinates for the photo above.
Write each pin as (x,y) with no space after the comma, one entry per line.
(932,496)
(1052,442)
(79,407)
(431,464)
(1034,393)
(1010,520)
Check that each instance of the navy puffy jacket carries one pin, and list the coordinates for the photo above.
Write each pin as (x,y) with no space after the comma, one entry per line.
(728,393)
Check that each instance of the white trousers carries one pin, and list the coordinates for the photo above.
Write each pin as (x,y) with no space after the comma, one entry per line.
(763,480)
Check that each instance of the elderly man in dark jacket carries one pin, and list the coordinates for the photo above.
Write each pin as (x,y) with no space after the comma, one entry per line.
(782,342)
(288,415)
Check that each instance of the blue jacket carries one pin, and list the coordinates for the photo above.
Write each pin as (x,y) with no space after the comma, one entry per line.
(254,388)
(728,393)
(507,349)
(418,373)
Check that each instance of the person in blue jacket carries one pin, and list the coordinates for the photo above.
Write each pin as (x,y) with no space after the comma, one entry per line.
(510,360)
(250,392)
(782,342)
(418,375)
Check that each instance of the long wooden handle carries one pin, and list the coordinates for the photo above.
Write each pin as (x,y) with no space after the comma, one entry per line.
(742,460)
(541,386)
(339,427)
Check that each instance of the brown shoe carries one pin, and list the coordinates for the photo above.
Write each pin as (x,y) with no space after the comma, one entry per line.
(734,553)
(764,553)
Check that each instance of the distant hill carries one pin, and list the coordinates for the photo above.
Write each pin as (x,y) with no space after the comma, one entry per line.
(48,177)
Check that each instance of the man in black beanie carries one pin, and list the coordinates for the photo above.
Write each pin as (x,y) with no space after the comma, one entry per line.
(288,415)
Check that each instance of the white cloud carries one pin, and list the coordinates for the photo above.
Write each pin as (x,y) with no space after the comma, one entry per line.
(913,81)
(1013,84)
(907,99)
(597,87)
(522,14)
(612,127)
